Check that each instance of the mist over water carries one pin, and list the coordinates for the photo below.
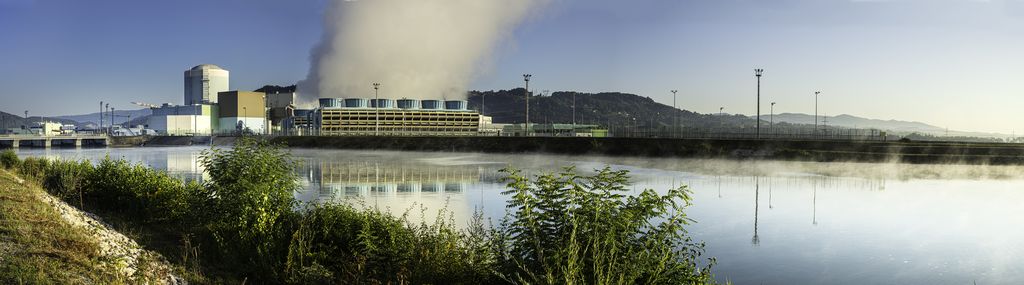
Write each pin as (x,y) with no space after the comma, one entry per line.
(418,49)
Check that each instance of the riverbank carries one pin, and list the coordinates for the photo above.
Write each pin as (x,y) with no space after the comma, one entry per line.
(244,223)
(820,151)
(917,152)
(46,241)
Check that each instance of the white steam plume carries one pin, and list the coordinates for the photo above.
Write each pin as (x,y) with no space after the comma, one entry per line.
(422,49)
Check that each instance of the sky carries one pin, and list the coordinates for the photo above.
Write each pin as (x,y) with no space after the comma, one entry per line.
(950,63)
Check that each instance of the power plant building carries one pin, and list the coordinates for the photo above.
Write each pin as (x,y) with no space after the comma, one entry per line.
(403,117)
(203,82)
(242,111)
(184,120)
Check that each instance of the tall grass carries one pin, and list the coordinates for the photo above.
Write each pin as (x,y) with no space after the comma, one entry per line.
(8,159)
(245,224)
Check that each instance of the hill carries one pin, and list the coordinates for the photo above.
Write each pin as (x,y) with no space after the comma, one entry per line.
(11,121)
(608,109)
(896,126)
(851,121)
(120,116)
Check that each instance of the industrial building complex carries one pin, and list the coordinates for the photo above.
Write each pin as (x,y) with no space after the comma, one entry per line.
(212,108)
(403,117)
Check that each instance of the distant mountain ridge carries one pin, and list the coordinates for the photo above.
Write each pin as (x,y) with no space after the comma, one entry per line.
(898,126)
(850,121)
(119,117)
(11,121)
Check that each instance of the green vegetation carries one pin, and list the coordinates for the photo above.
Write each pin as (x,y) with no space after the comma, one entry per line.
(38,247)
(243,225)
(8,159)
(572,229)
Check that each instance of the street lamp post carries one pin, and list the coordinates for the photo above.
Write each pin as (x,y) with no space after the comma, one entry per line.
(101,115)
(526,78)
(107,113)
(771,118)
(758,72)
(376,109)
(720,109)
(675,114)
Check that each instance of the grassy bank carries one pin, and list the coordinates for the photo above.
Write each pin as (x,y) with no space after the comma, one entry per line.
(244,225)
(37,247)
(43,241)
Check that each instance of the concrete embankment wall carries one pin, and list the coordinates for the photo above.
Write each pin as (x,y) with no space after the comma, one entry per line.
(907,152)
(863,151)
(183,141)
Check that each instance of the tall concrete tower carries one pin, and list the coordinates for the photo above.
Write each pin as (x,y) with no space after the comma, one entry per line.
(203,82)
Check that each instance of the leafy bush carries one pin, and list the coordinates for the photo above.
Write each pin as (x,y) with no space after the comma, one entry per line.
(9,159)
(146,195)
(370,246)
(65,179)
(568,228)
(33,168)
(250,196)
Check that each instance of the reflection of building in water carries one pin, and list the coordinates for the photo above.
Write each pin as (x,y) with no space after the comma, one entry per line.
(398,186)
(361,178)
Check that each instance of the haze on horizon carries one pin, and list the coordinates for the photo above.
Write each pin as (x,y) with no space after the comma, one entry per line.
(950,63)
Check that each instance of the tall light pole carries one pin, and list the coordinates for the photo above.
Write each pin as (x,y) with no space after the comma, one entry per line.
(106,110)
(101,115)
(376,109)
(526,78)
(675,113)
(758,72)
(245,113)
(574,114)
(771,118)
(816,93)
(720,109)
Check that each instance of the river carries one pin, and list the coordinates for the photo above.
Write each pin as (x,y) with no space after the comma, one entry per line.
(765,222)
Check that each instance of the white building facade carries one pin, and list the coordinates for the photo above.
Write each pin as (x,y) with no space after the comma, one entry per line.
(183,120)
(203,82)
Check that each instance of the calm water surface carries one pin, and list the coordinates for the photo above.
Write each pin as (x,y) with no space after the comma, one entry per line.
(765,222)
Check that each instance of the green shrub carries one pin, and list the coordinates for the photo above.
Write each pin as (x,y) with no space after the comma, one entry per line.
(370,246)
(144,195)
(9,159)
(65,179)
(568,228)
(251,203)
(33,168)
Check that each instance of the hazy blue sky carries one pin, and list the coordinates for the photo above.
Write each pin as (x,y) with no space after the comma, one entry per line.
(952,63)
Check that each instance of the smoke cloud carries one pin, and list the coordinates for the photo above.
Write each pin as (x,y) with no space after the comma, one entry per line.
(422,49)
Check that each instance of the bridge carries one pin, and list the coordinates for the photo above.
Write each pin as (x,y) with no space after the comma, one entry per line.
(17,141)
